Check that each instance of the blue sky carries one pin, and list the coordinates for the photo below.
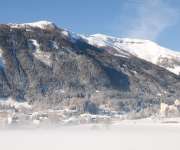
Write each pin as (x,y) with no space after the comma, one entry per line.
(157,20)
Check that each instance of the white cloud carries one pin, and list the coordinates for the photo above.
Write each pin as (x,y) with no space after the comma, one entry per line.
(152,17)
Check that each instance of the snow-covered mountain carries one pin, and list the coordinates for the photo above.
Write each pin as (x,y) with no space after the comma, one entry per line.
(144,49)
(40,62)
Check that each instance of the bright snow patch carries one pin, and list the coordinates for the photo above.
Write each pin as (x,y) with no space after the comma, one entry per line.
(13,103)
(39,24)
(2,60)
(44,57)
(55,45)
(65,33)
(72,36)
(36,122)
(175,69)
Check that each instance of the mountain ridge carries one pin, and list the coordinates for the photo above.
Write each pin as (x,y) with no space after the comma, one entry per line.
(144,49)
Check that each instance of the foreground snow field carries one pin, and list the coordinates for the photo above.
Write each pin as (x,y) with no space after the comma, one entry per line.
(126,136)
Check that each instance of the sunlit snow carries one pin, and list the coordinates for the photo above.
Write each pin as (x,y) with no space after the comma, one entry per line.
(143,49)
(2,60)
(38,24)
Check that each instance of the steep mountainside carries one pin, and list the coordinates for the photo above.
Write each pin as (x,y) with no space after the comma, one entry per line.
(143,49)
(41,62)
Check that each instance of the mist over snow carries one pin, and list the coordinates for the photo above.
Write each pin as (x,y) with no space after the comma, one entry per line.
(124,136)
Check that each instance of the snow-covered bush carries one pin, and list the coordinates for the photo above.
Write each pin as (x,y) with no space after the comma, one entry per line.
(169,110)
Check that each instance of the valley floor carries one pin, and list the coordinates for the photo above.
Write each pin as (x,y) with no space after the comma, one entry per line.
(127,135)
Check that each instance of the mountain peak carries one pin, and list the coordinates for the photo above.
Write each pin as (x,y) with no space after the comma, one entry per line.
(38,24)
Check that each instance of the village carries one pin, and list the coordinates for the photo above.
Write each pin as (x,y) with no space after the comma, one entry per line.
(21,114)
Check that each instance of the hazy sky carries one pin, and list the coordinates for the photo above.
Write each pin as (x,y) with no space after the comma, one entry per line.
(157,20)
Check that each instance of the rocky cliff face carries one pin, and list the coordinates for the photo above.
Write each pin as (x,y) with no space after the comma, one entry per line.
(46,63)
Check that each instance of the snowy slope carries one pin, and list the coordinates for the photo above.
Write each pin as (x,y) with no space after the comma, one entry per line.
(143,49)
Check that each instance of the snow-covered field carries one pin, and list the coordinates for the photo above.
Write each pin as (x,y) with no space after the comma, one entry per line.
(128,135)
(23,129)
